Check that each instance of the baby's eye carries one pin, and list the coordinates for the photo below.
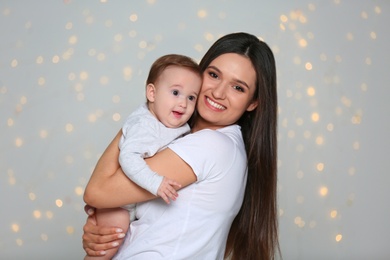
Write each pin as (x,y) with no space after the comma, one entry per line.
(175,92)
(192,98)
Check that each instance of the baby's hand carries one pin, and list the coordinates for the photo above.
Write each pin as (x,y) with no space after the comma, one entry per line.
(167,191)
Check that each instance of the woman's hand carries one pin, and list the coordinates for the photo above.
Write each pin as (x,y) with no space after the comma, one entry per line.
(96,240)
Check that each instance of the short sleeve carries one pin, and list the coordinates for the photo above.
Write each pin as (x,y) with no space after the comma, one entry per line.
(208,152)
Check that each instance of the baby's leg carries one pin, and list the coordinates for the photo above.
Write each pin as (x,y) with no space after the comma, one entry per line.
(116,217)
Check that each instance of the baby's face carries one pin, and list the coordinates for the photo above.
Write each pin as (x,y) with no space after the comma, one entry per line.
(175,95)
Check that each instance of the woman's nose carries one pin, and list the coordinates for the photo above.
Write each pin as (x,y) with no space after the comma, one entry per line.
(219,90)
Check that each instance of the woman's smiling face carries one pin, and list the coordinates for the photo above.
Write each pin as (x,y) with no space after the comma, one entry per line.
(229,83)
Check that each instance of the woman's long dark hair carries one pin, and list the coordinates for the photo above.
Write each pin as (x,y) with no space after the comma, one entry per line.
(254,232)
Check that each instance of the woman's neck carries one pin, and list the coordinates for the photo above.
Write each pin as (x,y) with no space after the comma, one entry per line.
(201,124)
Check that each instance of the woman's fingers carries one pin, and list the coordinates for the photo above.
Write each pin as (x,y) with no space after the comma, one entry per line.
(98,239)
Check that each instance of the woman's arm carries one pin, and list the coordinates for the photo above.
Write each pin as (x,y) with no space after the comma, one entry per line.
(109,187)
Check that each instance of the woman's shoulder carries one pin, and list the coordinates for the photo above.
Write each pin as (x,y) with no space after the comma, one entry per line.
(223,139)
(227,135)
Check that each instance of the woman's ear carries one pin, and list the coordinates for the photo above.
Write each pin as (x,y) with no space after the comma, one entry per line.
(150,92)
(252,106)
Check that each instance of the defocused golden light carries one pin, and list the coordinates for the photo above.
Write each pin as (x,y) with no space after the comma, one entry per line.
(320,140)
(10,122)
(69,128)
(14,63)
(333,213)
(320,167)
(44,237)
(18,142)
(315,117)
(118,37)
(299,222)
(68,25)
(32,196)
(72,39)
(308,66)
(356,119)
(43,133)
(101,57)
(39,60)
(15,227)
(83,75)
(302,43)
(338,237)
(72,76)
(79,191)
(59,203)
(311,91)
(49,214)
(297,60)
(133,17)
(363,87)
(299,121)
(323,191)
(209,37)
(116,117)
(202,13)
(92,118)
(41,81)
(69,159)
(116,99)
(37,214)
(291,134)
(55,59)
(19,242)
(70,230)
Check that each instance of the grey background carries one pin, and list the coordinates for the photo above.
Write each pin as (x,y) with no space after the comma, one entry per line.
(71,71)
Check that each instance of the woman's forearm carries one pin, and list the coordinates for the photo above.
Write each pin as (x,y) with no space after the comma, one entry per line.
(109,187)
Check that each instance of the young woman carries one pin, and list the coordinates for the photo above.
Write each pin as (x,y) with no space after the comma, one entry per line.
(226,166)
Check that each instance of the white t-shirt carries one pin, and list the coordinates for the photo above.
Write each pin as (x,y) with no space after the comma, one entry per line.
(196,225)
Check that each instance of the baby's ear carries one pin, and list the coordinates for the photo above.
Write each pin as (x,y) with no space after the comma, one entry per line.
(150,92)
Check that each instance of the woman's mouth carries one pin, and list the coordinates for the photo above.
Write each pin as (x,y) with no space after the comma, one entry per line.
(214,104)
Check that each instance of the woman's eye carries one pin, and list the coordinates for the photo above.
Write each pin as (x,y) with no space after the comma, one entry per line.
(239,88)
(213,75)
(175,92)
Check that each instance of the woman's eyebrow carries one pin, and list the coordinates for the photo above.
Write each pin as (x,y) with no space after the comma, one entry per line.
(242,82)
(236,80)
(215,68)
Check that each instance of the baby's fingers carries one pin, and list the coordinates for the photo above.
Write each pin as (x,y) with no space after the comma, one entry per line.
(174,183)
